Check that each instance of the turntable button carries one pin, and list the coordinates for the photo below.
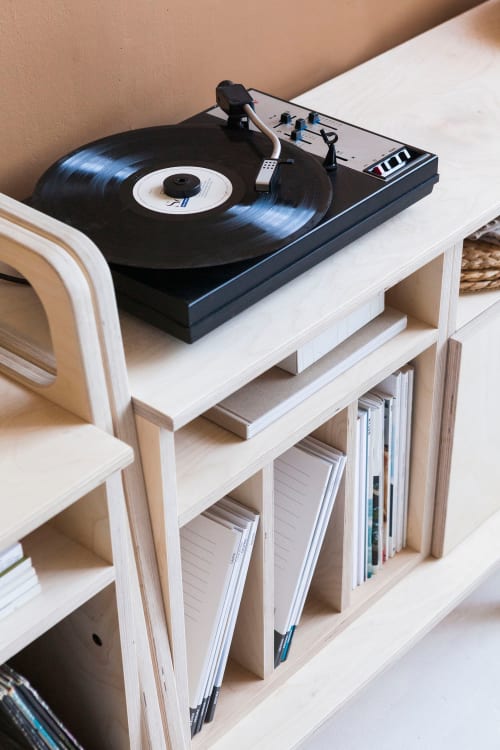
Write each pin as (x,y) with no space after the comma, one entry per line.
(313,118)
(300,123)
(286,118)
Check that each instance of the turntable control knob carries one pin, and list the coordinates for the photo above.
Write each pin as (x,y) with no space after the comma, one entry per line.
(286,118)
(300,123)
(296,135)
(313,118)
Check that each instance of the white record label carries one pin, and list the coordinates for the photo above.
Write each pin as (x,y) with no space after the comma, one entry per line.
(215,189)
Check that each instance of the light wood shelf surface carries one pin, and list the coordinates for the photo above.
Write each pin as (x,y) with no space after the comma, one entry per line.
(69,575)
(211,460)
(344,664)
(48,459)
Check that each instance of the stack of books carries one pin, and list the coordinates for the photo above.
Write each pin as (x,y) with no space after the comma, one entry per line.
(26,721)
(383,439)
(216,547)
(18,579)
(307,479)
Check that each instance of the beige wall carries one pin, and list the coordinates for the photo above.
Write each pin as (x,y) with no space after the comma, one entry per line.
(74,71)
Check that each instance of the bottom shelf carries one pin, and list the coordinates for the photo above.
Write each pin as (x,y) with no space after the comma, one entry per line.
(77,667)
(340,653)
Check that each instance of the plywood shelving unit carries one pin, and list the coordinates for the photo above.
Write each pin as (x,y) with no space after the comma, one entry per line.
(433,95)
(51,460)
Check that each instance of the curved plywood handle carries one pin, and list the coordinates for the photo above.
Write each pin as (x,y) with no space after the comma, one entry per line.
(79,383)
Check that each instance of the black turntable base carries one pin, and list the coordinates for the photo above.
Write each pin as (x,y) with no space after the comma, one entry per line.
(193,228)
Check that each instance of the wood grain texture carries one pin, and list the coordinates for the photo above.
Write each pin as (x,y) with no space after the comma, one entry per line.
(83,651)
(48,459)
(157,451)
(331,580)
(253,641)
(90,265)
(211,461)
(469,475)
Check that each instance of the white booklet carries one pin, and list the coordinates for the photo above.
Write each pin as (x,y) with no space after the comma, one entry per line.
(208,553)
(307,478)
(215,549)
(259,403)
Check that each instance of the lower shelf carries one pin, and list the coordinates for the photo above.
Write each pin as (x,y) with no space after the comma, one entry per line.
(342,657)
(69,575)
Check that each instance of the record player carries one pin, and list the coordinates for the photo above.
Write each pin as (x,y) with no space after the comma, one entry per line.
(200,220)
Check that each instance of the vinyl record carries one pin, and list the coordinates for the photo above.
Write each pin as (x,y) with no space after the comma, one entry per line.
(115,191)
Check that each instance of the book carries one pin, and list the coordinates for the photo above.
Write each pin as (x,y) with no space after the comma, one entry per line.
(215,553)
(382,473)
(312,350)
(247,520)
(307,478)
(338,461)
(362,499)
(15,574)
(17,592)
(208,551)
(21,598)
(374,405)
(259,403)
(355,506)
(10,555)
(397,392)
(18,582)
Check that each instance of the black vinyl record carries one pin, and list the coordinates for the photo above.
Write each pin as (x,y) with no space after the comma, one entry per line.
(113,190)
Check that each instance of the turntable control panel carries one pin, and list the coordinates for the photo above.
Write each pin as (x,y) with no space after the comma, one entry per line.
(356,148)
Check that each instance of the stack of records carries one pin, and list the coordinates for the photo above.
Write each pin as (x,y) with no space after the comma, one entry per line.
(216,547)
(25,719)
(18,579)
(307,479)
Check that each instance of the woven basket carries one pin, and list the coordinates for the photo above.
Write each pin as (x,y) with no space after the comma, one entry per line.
(480,266)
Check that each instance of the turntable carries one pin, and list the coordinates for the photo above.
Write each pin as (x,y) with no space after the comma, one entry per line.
(200,220)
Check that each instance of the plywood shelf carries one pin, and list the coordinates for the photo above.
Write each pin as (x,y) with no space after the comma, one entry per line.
(283,714)
(48,459)
(211,461)
(242,691)
(69,575)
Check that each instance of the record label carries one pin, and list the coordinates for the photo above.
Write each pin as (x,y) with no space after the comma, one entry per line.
(149,192)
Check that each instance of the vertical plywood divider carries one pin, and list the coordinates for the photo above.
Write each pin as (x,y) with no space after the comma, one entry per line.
(469,471)
(87,523)
(430,295)
(332,578)
(421,498)
(420,294)
(253,641)
(158,460)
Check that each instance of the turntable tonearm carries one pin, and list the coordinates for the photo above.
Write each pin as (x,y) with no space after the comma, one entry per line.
(198,221)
